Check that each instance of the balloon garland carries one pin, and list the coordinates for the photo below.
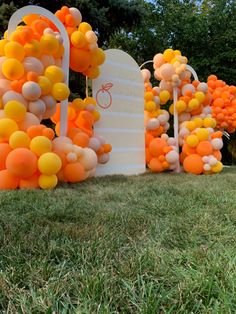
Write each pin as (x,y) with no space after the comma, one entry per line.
(32,85)
(197,106)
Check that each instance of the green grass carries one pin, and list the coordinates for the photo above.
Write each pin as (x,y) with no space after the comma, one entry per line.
(142,244)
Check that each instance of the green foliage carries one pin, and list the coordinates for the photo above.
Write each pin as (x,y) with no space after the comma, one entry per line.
(204,31)
(139,244)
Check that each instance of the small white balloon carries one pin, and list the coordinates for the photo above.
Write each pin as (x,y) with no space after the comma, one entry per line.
(217,143)
(207,167)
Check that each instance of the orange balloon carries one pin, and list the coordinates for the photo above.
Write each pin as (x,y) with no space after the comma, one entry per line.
(217,154)
(30,183)
(155,165)
(81,139)
(107,148)
(22,163)
(79,59)
(49,133)
(5,149)
(188,150)
(156,147)
(85,122)
(193,164)
(148,139)
(204,148)
(148,156)
(35,130)
(8,181)
(74,172)
(62,156)
(72,132)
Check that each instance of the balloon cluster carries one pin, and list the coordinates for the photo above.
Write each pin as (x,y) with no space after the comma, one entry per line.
(82,115)
(32,85)
(85,55)
(223,103)
(170,68)
(160,148)
(201,146)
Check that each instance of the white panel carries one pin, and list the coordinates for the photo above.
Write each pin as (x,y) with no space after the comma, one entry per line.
(119,92)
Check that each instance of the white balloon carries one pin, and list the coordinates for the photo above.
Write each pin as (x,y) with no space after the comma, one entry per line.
(49,101)
(37,107)
(207,167)
(172,157)
(205,159)
(33,64)
(153,124)
(103,159)
(213,161)
(94,144)
(217,143)
(202,87)
(11,95)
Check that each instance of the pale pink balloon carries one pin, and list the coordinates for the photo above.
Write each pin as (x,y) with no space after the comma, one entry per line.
(33,64)
(47,60)
(89,159)
(94,144)
(5,85)
(172,157)
(166,71)
(11,95)
(49,101)
(103,159)
(164,85)
(76,15)
(146,74)
(29,120)
(158,60)
(59,142)
(37,107)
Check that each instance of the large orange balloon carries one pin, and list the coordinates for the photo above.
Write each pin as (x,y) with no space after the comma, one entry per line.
(204,148)
(193,164)
(81,139)
(22,163)
(155,165)
(79,59)
(74,172)
(5,149)
(30,183)
(156,147)
(8,181)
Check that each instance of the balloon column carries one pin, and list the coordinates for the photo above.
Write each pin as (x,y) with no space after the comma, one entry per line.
(160,149)
(200,144)
(32,84)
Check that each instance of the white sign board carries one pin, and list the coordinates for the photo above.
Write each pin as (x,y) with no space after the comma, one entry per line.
(119,91)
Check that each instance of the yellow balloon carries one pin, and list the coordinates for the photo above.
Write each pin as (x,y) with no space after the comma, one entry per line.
(202,134)
(47,182)
(193,104)
(198,122)
(209,122)
(200,96)
(3,43)
(93,73)
(172,109)
(54,74)
(181,106)
(32,49)
(49,44)
(49,164)
(40,145)
(15,110)
(7,127)
(60,91)
(45,85)
(96,115)
(150,106)
(192,140)
(84,27)
(168,55)
(90,101)
(77,39)
(148,96)
(217,168)
(14,50)
(19,139)
(164,96)
(190,125)
(12,69)
(78,103)
(97,57)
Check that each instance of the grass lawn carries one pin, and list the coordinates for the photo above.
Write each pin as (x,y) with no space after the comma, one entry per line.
(142,244)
